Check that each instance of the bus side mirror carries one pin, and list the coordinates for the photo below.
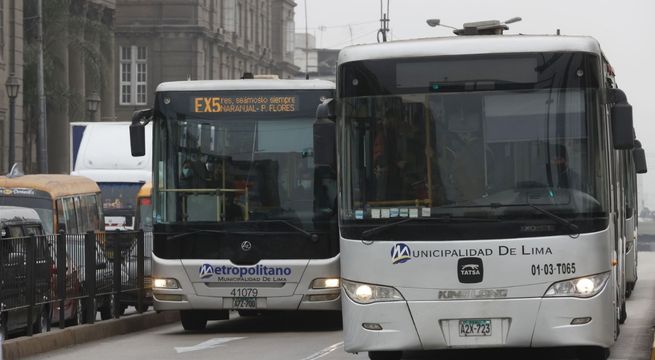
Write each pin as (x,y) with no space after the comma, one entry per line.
(622,129)
(640,160)
(138,131)
(325,147)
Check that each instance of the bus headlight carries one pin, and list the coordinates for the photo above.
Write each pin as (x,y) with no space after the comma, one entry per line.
(367,293)
(329,283)
(584,287)
(165,284)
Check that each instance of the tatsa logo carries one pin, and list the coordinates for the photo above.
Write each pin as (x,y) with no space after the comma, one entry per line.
(400,253)
(206,271)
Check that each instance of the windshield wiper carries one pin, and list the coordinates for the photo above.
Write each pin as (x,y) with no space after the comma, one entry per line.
(298,229)
(441,219)
(292,226)
(573,227)
(200,231)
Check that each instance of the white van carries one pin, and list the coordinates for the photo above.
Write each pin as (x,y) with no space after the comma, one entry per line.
(101,152)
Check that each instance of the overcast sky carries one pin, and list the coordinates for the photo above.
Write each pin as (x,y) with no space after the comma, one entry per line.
(625,30)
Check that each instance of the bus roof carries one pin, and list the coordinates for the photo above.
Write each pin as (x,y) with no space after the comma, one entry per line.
(18,214)
(54,184)
(470,45)
(145,191)
(246,84)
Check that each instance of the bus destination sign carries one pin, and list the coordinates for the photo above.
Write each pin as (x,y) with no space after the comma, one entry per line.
(245,104)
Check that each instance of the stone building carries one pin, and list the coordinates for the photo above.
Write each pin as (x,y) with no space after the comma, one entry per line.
(161,40)
(83,76)
(11,61)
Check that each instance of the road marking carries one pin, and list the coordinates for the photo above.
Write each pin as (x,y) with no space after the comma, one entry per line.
(206,345)
(324,352)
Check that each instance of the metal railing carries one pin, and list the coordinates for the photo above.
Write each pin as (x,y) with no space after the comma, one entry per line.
(68,278)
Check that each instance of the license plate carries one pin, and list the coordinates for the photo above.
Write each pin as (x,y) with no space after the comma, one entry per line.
(244,303)
(475,327)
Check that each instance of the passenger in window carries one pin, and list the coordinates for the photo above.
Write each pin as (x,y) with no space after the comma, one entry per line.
(191,176)
(565,177)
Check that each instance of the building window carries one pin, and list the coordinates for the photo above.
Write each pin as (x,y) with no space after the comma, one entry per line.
(133,75)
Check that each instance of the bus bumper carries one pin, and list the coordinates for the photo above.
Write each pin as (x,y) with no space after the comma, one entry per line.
(433,325)
(291,296)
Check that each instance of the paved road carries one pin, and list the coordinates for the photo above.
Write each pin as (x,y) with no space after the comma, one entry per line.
(314,336)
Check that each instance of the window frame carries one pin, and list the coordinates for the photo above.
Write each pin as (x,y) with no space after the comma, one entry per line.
(133,75)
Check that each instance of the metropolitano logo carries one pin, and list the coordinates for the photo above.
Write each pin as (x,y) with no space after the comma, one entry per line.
(400,253)
(206,271)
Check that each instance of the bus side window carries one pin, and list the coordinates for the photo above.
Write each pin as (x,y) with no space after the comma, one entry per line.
(80,215)
(70,219)
(61,219)
(88,212)
(98,213)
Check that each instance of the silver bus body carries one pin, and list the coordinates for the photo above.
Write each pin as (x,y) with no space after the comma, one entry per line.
(219,284)
(427,299)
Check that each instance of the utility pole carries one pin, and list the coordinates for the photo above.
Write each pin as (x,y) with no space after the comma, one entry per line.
(384,22)
(42,140)
(306,45)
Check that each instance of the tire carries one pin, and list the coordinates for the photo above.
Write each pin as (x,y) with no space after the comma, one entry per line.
(193,320)
(623,314)
(43,321)
(3,327)
(593,353)
(107,308)
(385,355)
(628,290)
(143,308)
(85,309)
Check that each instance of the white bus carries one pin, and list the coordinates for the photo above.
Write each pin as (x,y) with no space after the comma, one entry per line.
(100,151)
(635,164)
(480,198)
(245,215)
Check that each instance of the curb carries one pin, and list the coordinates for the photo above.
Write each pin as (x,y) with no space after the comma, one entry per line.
(29,346)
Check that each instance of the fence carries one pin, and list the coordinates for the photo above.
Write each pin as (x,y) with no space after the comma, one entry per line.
(68,278)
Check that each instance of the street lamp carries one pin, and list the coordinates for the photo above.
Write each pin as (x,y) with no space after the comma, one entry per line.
(92,103)
(13,85)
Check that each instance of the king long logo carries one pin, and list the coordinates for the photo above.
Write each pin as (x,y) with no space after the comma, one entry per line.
(400,253)
(206,271)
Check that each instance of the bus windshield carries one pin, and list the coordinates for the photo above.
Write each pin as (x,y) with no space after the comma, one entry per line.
(244,167)
(117,196)
(471,152)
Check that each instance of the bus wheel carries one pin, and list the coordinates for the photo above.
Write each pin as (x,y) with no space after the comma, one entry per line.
(628,289)
(624,313)
(193,320)
(385,355)
(593,353)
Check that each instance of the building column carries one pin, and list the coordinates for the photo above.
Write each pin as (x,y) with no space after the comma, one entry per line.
(107,49)
(93,72)
(76,78)
(58,110)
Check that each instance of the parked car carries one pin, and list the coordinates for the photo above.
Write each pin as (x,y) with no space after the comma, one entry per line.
(17,224)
